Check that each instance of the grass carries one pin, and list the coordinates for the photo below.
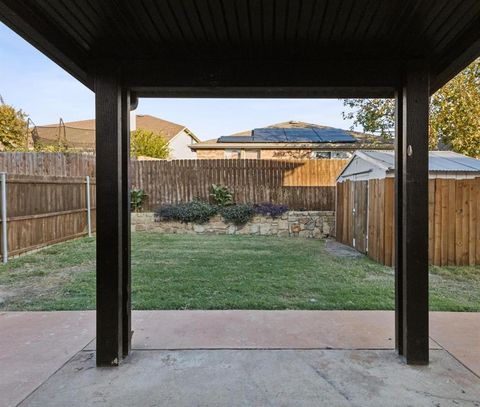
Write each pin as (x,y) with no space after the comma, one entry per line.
(224,272)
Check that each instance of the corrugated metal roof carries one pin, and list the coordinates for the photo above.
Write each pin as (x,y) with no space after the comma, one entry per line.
(437,161)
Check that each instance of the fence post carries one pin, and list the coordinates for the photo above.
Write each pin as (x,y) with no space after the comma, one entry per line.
(89,216)
(4,219)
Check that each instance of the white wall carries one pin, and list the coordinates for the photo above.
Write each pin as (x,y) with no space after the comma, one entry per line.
(358,167)
(133,120)
(179,146)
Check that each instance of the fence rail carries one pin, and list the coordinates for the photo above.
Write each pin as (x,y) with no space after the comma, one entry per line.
(300,184)
(43,210)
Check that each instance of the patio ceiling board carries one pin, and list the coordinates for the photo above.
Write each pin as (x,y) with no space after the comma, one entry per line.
(216,35)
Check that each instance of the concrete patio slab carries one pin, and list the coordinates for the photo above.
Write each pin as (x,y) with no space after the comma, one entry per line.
(459,334)
(262,330)
(33,345)
(260,378)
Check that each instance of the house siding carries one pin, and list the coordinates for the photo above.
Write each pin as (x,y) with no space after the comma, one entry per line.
(179,146)
(265,154)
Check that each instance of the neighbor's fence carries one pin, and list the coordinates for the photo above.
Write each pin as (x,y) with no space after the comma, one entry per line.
(42,210)
(300,184)
(454,220)
(46,193)
(54,164)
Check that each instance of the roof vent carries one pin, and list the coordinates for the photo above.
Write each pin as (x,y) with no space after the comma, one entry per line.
(294,122)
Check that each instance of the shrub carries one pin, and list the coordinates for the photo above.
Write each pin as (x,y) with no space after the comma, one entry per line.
(221,195)
(237,214)
(137,197)
(270,209)
(195,212)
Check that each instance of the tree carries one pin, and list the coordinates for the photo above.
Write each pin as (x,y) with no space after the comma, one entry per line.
(375,116)
(454,114)
(149,144)
(13,128)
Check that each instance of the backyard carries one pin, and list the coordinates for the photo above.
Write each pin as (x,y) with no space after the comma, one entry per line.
(224,272)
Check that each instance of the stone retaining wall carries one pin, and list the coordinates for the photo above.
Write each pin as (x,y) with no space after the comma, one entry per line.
(311,224)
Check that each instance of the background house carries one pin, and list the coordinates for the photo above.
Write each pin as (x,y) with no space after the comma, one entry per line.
(80,135)
(291,140)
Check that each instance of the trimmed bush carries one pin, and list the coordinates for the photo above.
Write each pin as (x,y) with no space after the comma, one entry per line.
(237,214)
(195,212)
(270,209)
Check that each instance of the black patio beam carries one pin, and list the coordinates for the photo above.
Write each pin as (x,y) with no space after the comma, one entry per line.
(126,107)
(398,211)
(110,216)
(256,78)
(414,263)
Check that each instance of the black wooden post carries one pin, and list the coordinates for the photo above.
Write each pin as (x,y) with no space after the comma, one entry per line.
(126,229)
(415,213)
(110,254)
(398,221)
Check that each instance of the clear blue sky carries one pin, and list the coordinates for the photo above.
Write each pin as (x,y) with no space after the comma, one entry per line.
(30,81)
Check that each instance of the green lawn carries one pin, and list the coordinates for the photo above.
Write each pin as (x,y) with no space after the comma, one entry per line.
(224,272)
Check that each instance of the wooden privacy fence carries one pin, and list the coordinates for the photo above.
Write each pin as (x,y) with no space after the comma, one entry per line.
(43,210)
(454,219)
(53,164)
(300,184)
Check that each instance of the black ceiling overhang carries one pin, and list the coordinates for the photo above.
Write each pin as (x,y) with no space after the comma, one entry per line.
(264,48)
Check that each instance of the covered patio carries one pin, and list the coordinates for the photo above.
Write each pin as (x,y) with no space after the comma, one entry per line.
(217,358)
(125,50)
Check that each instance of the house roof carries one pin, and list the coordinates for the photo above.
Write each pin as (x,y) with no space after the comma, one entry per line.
(244,139)
(144,121)
(82,133)
(438,161)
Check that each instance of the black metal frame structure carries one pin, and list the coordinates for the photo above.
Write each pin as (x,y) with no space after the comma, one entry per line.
(122,50)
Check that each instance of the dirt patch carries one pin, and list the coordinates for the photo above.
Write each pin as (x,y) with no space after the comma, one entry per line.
(340,250)
(44,285)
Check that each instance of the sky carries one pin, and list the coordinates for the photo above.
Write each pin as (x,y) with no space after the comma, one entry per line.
(31,82)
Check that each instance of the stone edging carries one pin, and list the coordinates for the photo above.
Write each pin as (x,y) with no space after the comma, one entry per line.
(310,224)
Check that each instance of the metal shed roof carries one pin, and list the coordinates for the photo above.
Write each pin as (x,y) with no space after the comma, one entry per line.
(441,161)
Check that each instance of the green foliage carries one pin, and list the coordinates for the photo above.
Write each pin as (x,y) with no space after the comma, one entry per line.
(195,212)
(13,128)
(149,144)
(137,198)
(454,114)
(375,116)
(60,147)
(237,214)
(221,195)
